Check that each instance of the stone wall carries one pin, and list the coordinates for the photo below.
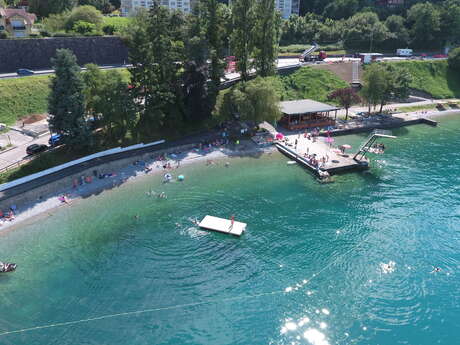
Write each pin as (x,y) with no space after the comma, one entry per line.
(36,53)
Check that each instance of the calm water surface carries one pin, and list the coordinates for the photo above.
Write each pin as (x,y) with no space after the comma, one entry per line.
(342,263)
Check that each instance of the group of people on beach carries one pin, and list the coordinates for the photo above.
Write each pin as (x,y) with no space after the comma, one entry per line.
(9,215)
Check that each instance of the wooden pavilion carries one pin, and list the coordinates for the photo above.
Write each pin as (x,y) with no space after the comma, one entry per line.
(305,113)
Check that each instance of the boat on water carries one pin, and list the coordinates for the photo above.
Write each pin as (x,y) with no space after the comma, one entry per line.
(7,267)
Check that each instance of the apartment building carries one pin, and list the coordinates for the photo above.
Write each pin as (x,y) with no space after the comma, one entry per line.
(287,7)
(129,7)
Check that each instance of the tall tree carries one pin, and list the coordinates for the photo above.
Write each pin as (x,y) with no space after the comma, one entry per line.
(374,84)
(154,50)
(425,21)
(212,13)
(241,42)
(116,107)
(266,37)
(66,103)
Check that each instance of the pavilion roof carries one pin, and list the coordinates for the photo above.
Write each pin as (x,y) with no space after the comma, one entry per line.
(305,106)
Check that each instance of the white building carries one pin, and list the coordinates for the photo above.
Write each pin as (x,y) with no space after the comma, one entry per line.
(129,7)
(287,7)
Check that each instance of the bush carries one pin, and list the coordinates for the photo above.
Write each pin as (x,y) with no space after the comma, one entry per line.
(454,59)
(4,35)
(109,29)
(56,22)
(84,28)
(88,14)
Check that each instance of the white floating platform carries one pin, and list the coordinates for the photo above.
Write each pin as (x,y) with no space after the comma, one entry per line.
(222,225)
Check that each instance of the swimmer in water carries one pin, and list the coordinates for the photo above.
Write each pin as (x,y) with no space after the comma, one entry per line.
(436,269)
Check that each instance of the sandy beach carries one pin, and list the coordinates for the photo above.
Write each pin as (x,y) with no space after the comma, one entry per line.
(133,172)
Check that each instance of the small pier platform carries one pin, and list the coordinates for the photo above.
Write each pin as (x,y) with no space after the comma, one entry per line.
(335,162)
(222,225)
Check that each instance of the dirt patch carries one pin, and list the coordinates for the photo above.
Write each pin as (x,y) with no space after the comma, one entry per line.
(33,118)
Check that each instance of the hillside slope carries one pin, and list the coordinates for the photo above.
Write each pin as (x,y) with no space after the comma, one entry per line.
(433,77)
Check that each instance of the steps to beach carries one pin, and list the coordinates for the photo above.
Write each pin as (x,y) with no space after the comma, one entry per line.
(222,225)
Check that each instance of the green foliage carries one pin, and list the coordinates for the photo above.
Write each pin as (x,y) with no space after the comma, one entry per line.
(88,14)
(102,5)
(266,37)
(433,77)
(84,28)
(45,8)
(56,22)
(425,21)
(256,101)
(20,97)
(363,29)
(155,45)
(212,19)
(4,35)
(383,82)
(309,83)
(241,40)
(66,103)
(117,23)
(454,60)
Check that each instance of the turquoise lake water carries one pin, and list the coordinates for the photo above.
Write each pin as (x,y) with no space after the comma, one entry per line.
(309,270)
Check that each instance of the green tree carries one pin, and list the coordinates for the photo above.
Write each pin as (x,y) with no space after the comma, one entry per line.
(454,59)
(212,13)
(339,9)
(116,106)
(424,20)
(346,97)
(255,101)
(102,5)
(374,85)
(88,14)
(266,37)
(154,50)
(241,40)
(66,103)
(43,8)
(383,82)
(94,80)
(364,30)
(450,21)
(398,34)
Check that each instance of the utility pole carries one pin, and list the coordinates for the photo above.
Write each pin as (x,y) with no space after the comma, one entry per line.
(372,38)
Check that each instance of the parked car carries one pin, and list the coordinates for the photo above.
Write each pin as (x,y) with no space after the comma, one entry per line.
(24,72)
(36,148)
(55,140)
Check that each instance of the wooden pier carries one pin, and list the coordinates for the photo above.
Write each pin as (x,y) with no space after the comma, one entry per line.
(222,225)
(335,162)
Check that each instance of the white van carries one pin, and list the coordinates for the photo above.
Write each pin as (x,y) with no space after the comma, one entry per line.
(404,52)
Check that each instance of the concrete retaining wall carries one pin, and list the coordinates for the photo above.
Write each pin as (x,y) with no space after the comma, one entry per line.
(36,54)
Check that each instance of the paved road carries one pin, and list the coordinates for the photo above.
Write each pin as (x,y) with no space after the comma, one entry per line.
(51,71)
(20,141)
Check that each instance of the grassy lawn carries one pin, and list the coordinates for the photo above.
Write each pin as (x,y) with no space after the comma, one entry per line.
(433,77)
(20,97)
(23,96)
(309,83)
(417,108)
(118,22)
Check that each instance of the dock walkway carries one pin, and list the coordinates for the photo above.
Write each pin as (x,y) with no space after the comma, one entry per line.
(335,162)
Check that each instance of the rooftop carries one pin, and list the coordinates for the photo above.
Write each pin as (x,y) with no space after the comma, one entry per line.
(305,106)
